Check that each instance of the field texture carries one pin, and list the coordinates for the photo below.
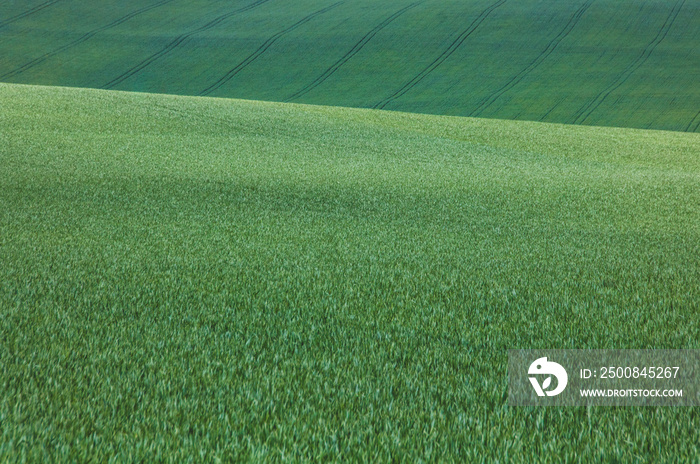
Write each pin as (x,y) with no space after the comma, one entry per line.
(209,279)
(631,63)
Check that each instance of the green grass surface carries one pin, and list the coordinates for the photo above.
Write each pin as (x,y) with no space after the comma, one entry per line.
(629,63)
(188,279)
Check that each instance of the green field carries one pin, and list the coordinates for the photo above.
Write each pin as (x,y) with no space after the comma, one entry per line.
(193,280)
(627,63)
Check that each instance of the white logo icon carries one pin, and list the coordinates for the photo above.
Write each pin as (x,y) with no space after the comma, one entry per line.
(542,366)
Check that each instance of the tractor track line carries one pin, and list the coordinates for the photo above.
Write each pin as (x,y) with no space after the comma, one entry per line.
(550,110)
(353,51)
(586,111)
(692,121)
(28,12)
(83,38)
(176,43)
(442,57)
(262,49)
(573,21)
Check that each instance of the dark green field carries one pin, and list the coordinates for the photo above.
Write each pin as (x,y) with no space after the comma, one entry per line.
(595,62)
(194,280)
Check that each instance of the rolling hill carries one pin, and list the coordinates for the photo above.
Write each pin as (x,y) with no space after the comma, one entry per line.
(236,280)
(632,63)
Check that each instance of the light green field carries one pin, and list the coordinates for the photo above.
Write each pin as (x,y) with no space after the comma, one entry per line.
(626,63)
(193,279)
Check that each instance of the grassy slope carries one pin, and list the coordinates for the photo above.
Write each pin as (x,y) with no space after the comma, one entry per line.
(255,280)
(626,63)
